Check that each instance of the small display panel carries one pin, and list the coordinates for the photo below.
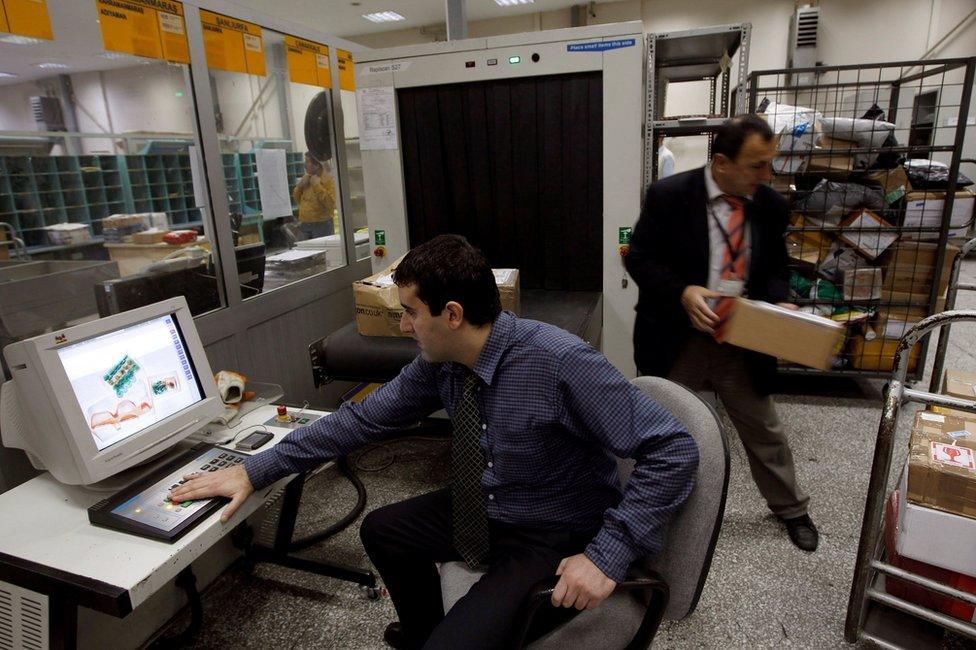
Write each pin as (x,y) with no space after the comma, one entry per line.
(152,506)
(132,378)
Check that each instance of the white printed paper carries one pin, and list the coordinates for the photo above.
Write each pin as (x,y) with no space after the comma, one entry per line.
(196,171)
(273,183)
(377,118)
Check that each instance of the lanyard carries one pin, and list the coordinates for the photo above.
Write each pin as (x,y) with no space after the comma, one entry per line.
(734,253)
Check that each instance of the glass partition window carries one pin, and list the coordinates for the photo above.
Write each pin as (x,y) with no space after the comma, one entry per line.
(354,158)
(96,175)
(274,122)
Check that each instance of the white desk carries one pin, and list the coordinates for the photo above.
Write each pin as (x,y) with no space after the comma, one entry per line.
(47,544)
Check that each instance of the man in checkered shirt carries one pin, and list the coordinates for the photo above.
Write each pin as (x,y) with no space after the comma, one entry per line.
(547,415)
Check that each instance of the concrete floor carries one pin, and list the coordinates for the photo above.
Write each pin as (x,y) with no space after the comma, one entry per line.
(761,591)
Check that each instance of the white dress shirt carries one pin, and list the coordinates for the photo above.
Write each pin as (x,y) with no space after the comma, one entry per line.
(720,208)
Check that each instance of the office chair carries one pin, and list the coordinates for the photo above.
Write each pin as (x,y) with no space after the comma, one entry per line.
(666,585)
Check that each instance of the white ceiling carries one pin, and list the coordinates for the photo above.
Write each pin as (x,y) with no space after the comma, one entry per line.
(341,18)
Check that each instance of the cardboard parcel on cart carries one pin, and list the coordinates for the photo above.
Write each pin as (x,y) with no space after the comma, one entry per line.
(958,383)
(795,336)
(942,464)
(378,309)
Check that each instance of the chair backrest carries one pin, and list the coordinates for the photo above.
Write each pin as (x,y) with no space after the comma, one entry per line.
(687,554)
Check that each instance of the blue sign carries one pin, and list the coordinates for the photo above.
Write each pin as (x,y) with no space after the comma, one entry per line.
(601,45)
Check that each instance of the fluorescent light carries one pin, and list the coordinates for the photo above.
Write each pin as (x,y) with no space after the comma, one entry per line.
(383,17)
(51,65)
(510,3)
(5,75)
(14,39)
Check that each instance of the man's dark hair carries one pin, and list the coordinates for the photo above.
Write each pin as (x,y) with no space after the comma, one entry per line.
(449,268)
(731,135)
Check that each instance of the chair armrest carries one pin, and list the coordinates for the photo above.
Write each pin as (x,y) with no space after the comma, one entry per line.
(652,584)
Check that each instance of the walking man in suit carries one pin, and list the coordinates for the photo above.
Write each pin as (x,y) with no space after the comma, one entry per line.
(704,237)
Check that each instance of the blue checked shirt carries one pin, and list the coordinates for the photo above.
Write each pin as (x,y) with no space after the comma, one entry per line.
(555,413)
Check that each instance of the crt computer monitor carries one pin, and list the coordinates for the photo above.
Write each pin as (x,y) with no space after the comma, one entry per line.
(90,401)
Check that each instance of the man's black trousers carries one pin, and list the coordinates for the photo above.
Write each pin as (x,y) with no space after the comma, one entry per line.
(406,539)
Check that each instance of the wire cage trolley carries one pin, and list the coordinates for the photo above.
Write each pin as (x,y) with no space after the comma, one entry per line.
(868,157)
(874,614)
(952,292)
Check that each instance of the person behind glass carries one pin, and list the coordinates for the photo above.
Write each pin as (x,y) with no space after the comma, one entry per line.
(703,237)
(316,198)
(665,159)
(538,416)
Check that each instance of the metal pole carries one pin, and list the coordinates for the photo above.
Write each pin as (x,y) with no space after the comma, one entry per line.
(457,19)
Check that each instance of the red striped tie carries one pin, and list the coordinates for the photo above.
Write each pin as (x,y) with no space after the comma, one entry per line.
(734,260)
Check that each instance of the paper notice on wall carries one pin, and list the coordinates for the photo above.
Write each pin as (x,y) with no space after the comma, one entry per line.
(150,28)
(231,44)
(273,183)
(377,118)
(308,62)
(26,18)
(347,76)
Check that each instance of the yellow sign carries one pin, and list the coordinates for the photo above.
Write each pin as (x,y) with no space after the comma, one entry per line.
(308,62)
(232,44)
(150,28)
(347,75)
(26,18)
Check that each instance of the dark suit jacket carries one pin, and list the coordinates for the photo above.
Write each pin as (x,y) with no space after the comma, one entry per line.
(669,250)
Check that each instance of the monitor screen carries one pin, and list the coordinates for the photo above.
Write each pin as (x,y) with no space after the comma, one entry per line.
(131,378)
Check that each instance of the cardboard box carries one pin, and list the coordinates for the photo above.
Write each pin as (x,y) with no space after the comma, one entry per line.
(942,465)
(879,354)
(865,231)
(910,526)
(378,309)
(910,267)
(862,283)
(894,182)
(508,289)
(808,246)
(924,210)
(893,322)
(830,162)
(795,336)
(4,247)
(958,383)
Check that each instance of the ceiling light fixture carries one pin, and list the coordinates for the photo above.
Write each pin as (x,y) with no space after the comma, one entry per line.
(512,3)
(14,39)
(383,17)
(51,65)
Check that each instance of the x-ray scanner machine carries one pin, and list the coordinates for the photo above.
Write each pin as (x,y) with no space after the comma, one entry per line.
(530,145)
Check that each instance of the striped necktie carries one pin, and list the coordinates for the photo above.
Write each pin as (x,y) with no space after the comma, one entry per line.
(733,261)
(470,519)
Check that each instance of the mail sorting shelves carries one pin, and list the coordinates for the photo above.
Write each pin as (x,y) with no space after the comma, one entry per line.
(241,180)
(40,191)
(868,157)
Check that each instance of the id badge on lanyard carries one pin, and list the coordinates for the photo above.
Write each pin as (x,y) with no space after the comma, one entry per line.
(729,287)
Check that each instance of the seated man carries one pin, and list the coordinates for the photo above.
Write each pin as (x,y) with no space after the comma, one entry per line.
(538,416)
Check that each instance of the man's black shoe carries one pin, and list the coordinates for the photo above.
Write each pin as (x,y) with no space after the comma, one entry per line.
(394,636)
(802,532)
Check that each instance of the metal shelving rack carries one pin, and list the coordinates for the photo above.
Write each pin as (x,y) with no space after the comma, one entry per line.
(692,55)
(847,213)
